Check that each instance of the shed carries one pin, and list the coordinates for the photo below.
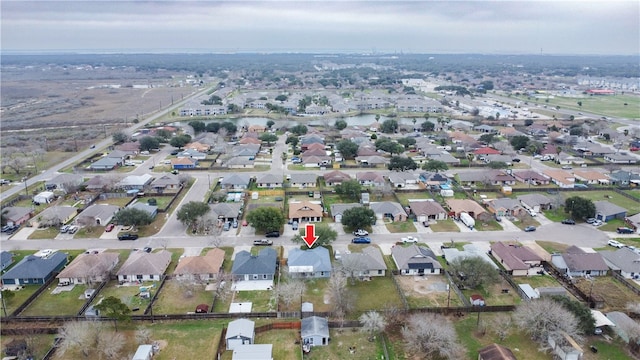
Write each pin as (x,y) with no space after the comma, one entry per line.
(477,300)
(202,309)
(253,352)
(144,352)
(315,331)
(240,332)
(44,197)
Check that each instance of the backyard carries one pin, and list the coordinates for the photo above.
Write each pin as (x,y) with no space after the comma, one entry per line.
(128,294)
(616,296)
(66,302)
(427,291)
(379,293)
(180,297)
(347,343)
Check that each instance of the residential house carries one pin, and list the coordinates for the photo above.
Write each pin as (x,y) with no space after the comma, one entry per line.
(17,215)
(425,210)
(567,159)
(35,269)
(441,155)
(623,261)
(366,149)
(498,158)
(241,162)
(624,178)
(607,211)
(183,163)
(135,182)
(563,179)
(305,211)
(576,262)
(488,177)
(100,183)
(236,182)
(433,179)
(415,260)
(106,163)
(535,201)
(486,129)
(65,182)
(6,259)
(458,206)
(249,140)
(248,267)
(167,183)
(591,177)
(623,325)
(485,151)
(303,180)
(314,331)
(131,147)
(97,214)
(240,332)
(152,210)
(314,151)
(312,263)
(269,181)
(333,178)
(495,352)
(245,150)
(256,128)
(370,178)
(620,158)
(253,352)
(316,161)
(389,210)
(530,177)
(192,154)
(403,179)
(198,146)
(225,211)
(200,268)
(516,259)
(633,222)
(505,207)
(338,209)
(309,139)
(373,160)
(364,264)
(144,266)
(89,268)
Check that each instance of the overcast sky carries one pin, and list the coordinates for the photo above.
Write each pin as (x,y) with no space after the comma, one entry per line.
(502,27)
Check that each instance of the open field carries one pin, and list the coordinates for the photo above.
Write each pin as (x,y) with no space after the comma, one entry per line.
(613,197)
(63,303)
(603,105)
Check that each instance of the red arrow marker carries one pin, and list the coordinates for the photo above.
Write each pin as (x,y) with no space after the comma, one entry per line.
(310,234)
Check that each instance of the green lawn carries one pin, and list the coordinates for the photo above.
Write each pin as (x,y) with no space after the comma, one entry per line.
(126,294)
(555,215)
(488,226)
(375,294)
(262,301)
(19,297)
(552,247)
(445,226)
(602,105)
(612,225)
(180,297)
(606,350)
(405,196)
(342,340)
(315,293)
(64,303)
(537,281)
(44,233)
(401,227)
(635,193)
(632,206)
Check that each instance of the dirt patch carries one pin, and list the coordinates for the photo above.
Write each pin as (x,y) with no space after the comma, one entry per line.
(430,290)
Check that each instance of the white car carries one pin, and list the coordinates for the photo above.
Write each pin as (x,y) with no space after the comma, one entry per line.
(597,223)
(409,239)
(615,244)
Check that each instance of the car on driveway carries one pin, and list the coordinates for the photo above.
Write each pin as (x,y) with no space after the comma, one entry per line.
(624,230)
(569,222)
(263,242)
(530,229)
(361,240)
(615,244)
(597,223)
(109,227)
(128,236)
(361,232)
(590,220)
(409,239)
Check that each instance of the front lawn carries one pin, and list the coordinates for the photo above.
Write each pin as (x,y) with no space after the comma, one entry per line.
(488,226)
(612,225)
(445,226)
(552,247)
(45,233)
(401,227)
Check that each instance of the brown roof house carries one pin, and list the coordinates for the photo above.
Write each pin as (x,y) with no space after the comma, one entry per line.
(471,207)
(89,268)
(389,210)
(370,178)
(495,352)
(200,268)
(143,266)
(364,264)
(535,202)
(166,183)
(426,210)
(18,214)
(336,177)
(505,207)
(575,262)
(517,260)
(305,211)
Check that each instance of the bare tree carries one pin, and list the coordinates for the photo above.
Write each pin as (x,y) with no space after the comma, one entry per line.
(341,298)
(501,325)
(143,335)
(109,343)
(93,339)
(372,322)
(351,266)
(290,291)
(634,307)
(76,335)
(546,318)
(432,336)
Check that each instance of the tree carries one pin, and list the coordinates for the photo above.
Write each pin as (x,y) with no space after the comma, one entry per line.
(342,300)
(281,98)
(115,309)
(91,338)
(133,216)
(388,145)
(299,130)
(350,189)
(347,148)
(435,165)
(579,207)
(268,138)
(270,123)
(119,137)
(519,142)
(325,234)
(427,126)
(358,217)
(498,165)
(488,138)
(402,163)
(340,124)
(266,218)
(586,322)
(213,127)
(293,140)
(580,103)
(149,142)
(191,212)
(372,322)
(546,318)
(290,291)
(180,141)
(528,122)
(198,126)
(407,142)
(473,272)
(432,336)
(389,126)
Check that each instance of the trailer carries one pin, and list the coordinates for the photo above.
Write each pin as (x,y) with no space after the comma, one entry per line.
(467,220)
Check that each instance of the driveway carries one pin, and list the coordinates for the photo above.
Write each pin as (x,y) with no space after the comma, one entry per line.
(507,225)
(380,228)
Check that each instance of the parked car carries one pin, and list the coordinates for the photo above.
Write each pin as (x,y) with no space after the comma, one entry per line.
(530,229)
(272,234)
(235,224)
(245,223)
(566,167)
(597,223)
(516,160)
(226,226)
(591,220)
(361,232)
(634,149)
(425,223)
(624,230)
(63,229)
(294,225)
(361,240)
(147,249)
(569,222)
(409,239)
(109,227)
(263,242)
(128,236)
(615,244)
(73,229)
(10,229)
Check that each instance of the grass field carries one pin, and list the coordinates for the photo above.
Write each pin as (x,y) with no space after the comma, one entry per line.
(341,341)
(404,197)
(445,226)
(602,105)
(378,293)
(537,281)
(488,226)
(401,227)
(63,303)
(127,294)
(262,301)
(616,296)
(613,197)
(493,295)
(552,247)
(178,297)
(18,298)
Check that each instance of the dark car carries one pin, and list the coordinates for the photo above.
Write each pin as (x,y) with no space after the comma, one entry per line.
(147,249)
(263,242)
(272,234)
(569,222)
(361,240)
(530,229)
(127,236)
(516,160)
(624,230)
(425,223)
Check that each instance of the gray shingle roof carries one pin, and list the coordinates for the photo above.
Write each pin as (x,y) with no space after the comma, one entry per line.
(387,207)
(414,257)
(317,257)
(242,327)
(314,326)
(264,263)
(225,209)
(236,179)
(606,208)
(33,267)
(623,259)
(142,263)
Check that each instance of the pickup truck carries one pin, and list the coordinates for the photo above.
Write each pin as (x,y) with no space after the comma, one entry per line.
(262,242)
